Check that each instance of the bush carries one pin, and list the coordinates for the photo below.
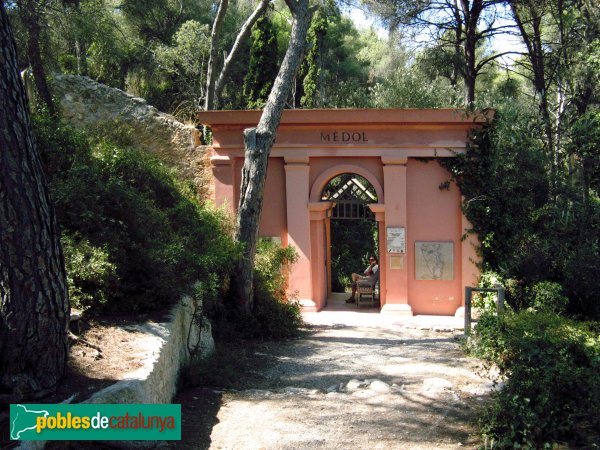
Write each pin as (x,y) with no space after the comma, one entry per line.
(487,301)
(142,236)
(354,241)
(552,390)
(275,313)
(549,296)
(90,274)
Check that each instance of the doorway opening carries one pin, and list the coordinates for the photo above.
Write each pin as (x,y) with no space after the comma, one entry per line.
(354,234)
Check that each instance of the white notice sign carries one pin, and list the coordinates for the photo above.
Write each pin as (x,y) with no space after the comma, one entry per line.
(396,239)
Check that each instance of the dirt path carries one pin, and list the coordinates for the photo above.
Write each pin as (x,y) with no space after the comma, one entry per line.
(362,384)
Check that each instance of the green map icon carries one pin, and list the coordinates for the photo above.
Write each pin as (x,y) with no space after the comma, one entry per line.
(24,420)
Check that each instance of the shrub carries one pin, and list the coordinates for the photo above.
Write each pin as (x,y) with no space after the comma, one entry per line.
(552,391)
(90,274)
(548,296)
(143,235)
(487,301)
(275,313)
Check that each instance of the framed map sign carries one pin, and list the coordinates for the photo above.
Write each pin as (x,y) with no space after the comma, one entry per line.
(434,260)
(396,239)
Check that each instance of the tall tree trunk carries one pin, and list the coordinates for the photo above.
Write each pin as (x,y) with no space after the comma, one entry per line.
(258,142)
(29,11)
(471,14)
(34,308)
(458,41)
(212,59)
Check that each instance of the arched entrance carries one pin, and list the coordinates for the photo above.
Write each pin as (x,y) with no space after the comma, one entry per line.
(353,232)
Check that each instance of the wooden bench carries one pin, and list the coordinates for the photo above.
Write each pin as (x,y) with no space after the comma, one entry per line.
(366,293)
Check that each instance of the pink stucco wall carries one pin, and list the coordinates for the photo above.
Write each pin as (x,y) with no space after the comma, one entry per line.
(433,215)
(274,213)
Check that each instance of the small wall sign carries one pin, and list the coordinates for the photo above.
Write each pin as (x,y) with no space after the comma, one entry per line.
(396,262)
(396,239)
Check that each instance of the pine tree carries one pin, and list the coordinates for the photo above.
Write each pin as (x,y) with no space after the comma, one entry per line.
(312,63)
(263,66)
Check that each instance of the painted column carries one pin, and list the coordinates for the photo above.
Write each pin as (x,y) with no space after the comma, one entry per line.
(396,279)
(224,182)
(298,229)
(318,216)
(379,211)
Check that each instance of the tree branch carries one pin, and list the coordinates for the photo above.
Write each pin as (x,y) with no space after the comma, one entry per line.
(214,44)
(237,45)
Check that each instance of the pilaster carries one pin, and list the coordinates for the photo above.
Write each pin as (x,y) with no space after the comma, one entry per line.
(298,229)
(396,279)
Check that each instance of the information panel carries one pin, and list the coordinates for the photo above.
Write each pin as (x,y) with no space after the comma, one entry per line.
(396,239)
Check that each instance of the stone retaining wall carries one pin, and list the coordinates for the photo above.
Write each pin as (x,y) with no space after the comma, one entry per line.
(168,347)
(156,381)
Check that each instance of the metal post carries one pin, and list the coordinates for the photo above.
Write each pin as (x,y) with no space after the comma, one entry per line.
(500,299)
(468,297)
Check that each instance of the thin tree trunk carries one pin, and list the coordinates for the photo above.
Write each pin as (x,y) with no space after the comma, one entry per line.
(237,45)
(29,11)
(212,60)
(258,142)
(34,308)
(471,15)
(458,39)
(535,53)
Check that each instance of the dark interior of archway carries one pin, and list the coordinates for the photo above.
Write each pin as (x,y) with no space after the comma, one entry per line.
(354,233)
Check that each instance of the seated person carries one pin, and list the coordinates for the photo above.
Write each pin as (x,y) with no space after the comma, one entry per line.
(369,278)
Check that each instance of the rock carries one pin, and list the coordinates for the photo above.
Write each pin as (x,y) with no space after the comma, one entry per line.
(380,387)
(353,385)
(85,102)
(334,388)
(436,385)
(482,389)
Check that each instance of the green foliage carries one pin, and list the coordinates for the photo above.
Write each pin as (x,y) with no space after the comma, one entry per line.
(487,301)
(585,135)
(551,393)
(311,66)
(91,277)
(263,66)
(271,268)
(407,88)
(275,313)
(548,296)
(183,63)
(528,236)
(491,175)
(352,242)
(142,236)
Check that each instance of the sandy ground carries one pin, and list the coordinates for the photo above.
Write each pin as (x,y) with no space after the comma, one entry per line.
(354,380)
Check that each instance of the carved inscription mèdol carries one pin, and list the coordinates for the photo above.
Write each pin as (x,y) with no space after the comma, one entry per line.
(344,136)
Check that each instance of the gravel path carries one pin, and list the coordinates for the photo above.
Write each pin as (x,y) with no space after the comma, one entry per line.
(353,381)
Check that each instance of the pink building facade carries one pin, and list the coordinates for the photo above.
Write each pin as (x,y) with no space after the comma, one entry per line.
(424,261)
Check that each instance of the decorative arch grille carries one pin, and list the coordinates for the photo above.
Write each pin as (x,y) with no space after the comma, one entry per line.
(351,194)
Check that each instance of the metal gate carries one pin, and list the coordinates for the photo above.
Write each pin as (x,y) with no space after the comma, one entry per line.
(351,194)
